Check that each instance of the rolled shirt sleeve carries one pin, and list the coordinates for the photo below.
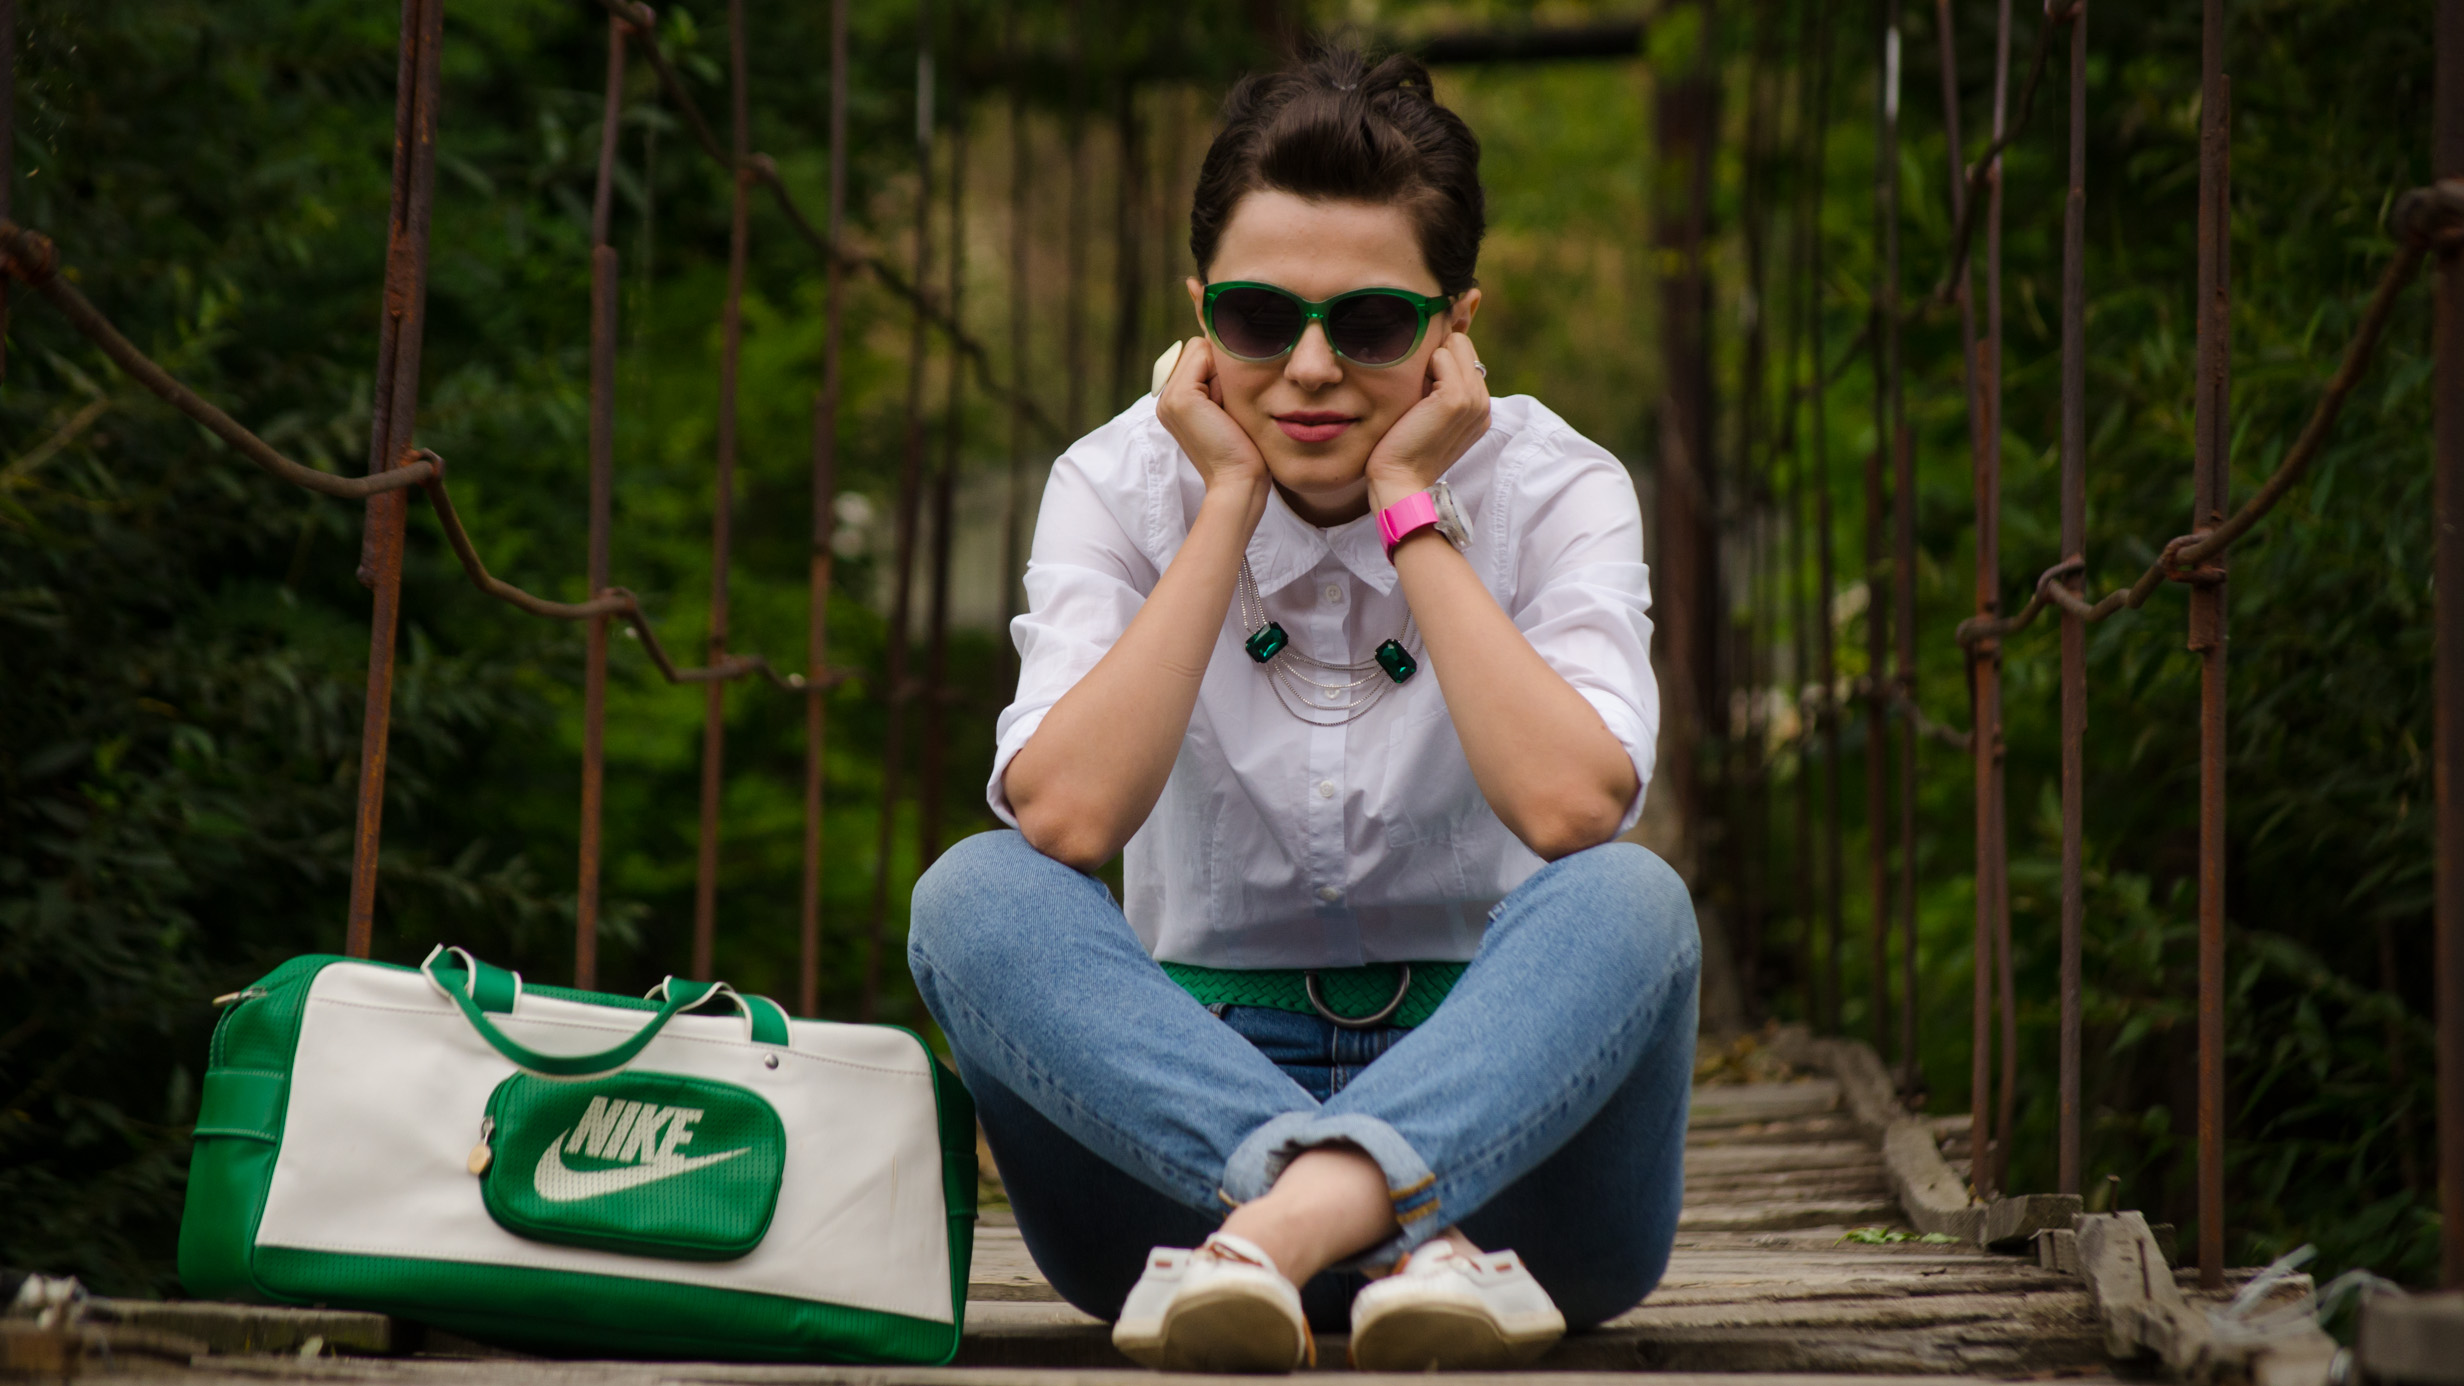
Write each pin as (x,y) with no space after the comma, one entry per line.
(1086,578)
(1583,595)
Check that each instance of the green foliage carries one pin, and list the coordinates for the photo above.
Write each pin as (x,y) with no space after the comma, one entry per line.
(2329,1061)
(180,716)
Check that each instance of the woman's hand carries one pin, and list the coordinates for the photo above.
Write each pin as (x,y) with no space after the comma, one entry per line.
(1433,434)
(1090,775)
(1223,452)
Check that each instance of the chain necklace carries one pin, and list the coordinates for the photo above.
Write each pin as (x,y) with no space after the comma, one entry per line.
(1272,649)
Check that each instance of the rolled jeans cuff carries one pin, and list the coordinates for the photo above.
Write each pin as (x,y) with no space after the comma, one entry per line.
(1260,1159)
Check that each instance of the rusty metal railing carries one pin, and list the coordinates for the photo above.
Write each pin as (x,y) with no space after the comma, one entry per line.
(2428,221)
(2424,223)
(2447,165)
(397,464)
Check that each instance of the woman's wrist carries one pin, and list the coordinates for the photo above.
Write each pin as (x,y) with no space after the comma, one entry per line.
(1385,491)
(1237,496)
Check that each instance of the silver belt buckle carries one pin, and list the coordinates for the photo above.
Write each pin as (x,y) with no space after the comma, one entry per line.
(1309,982)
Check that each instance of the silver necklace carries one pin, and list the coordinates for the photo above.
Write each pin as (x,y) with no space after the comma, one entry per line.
(1271,648)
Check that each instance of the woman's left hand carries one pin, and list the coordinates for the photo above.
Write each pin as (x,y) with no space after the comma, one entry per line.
(1434,433)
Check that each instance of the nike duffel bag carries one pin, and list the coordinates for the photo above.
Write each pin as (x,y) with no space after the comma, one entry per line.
(574,1172)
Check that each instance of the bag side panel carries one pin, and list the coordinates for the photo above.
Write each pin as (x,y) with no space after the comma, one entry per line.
(239,1132)
(605,1315)
(218,1224)
(960,1178)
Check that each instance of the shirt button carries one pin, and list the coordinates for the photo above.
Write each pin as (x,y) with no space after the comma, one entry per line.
(1326,789)
(1334,594)
(1330,694)
(1329,894)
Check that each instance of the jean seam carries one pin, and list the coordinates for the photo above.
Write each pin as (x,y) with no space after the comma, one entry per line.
(1036,1072)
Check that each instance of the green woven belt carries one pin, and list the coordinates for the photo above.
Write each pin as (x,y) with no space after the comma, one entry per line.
(1347,991)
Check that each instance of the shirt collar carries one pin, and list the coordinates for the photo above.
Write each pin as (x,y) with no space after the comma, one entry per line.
(1287,547)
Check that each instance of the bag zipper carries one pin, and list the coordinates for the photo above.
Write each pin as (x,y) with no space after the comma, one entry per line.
(481,1154)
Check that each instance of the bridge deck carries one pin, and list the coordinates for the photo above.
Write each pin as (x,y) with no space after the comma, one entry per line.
(1762,1286)
(1761,1281)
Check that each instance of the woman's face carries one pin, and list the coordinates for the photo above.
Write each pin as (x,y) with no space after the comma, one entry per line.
(1315,415)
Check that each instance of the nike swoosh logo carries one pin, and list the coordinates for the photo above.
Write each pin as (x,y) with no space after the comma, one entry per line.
(558,1184)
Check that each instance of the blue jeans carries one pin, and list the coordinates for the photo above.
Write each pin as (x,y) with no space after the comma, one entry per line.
(1542,1108)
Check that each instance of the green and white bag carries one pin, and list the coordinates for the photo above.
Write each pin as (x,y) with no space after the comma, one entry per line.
(577,1172)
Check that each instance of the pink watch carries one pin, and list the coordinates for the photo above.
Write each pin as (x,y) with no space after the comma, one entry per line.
(1433,508)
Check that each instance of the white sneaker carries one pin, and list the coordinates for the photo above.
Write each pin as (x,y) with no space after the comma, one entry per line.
(1221,1308)
(1445,1309)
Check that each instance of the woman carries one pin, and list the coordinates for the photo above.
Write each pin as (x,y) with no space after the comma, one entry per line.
(1352,660)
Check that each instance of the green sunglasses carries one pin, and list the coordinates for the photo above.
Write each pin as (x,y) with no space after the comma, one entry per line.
(1370,327)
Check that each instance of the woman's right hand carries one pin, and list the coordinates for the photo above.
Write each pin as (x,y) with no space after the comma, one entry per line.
(1094,769)
(1223,452)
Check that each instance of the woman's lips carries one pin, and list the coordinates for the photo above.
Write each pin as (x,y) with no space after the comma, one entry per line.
(1314,427)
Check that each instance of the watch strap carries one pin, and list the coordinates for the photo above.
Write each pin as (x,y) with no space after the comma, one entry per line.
(1404,518)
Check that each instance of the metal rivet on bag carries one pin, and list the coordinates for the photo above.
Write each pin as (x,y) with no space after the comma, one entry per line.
(769,1061)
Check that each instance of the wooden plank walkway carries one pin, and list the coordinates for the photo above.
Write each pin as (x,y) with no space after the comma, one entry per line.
(1760,1282)
(1763,1288)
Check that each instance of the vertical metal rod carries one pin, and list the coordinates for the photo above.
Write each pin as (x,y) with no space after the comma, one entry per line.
(825,526)
(910,500)
(1980,421)
(1129,255)
(1885,339)
(1748,785)
(8,149)
(2067,1167)
(395,408)
(1687,499)
(2447,161)
(1074,244)
(2212,435)
(723,499)
(604,281)
(1903,686)
(1988,566)
(937,690)
(1801,310)
(1168,199)
(1834,853)
(1014,500)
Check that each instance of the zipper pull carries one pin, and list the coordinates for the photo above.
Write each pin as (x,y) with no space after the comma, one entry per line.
(481,1155)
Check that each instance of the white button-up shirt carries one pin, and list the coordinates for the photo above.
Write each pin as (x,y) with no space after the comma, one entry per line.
(1278,843)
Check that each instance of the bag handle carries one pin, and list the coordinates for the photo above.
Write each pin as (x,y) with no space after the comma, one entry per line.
(765,1020)
(679,995)
(494,988)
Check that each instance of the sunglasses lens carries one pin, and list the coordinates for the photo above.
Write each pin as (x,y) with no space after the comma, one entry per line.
(1374,329)
(1256,323)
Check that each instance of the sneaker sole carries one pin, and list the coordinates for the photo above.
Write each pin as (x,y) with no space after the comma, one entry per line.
(1224,1330)
(1442,1337)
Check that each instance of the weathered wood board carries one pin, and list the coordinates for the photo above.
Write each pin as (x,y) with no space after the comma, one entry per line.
(1761,1291)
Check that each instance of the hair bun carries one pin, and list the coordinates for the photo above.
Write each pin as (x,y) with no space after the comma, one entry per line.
(1335,126)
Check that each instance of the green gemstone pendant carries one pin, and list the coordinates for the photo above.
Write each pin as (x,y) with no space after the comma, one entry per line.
(1268,641)
(1396,661)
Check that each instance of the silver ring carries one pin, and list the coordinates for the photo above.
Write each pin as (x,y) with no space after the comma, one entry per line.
(1309,983)
(1484,370)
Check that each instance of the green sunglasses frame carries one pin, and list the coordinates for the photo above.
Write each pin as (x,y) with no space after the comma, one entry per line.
(1315,311)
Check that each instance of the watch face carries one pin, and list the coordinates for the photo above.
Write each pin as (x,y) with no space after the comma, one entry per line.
(1450,516)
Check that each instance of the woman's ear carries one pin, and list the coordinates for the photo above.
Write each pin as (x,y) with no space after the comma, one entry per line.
(1464,310)
(1197,302)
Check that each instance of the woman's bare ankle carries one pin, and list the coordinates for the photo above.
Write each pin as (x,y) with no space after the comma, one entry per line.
(1329,1203)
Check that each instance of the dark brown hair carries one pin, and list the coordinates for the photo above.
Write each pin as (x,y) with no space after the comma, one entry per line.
(1333,126)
